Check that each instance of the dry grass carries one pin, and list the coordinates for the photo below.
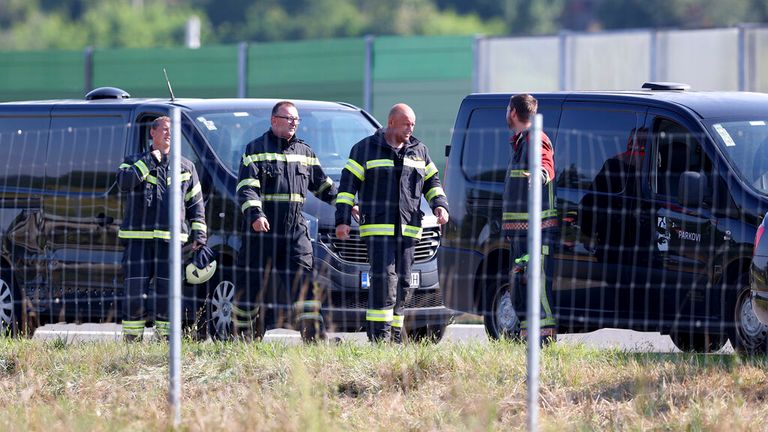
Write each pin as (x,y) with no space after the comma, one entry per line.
(46,386)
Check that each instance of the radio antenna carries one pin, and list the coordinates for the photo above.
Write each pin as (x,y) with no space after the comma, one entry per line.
(167,81)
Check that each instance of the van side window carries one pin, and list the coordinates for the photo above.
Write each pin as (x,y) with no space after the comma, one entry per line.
(84,152)
(487,151)
(486,145)
(677,150)
(597,149)
(23,141)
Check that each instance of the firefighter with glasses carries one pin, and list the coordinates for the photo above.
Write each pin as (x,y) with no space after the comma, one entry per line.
(278,171)
(146,178)
(389,172)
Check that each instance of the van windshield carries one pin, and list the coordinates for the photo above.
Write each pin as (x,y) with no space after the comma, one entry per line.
(745,142)
(330,133)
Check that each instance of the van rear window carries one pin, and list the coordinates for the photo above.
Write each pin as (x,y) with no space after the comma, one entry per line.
(23,140)
(486,150)
(486,145)
(597,150)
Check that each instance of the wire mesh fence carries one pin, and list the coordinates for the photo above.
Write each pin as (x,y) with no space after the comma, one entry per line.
(78,247)
(656,221)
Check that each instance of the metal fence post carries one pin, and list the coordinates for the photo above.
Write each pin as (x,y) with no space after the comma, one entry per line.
(534,271)
(476,59)
(654,56)
(242,69)
(368,74)
(88,69)
(742,57)
(564,57)
(174,396)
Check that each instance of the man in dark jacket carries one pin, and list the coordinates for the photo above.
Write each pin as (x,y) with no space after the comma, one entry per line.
(277,173)
(145,178)
(389,171)
(515,206)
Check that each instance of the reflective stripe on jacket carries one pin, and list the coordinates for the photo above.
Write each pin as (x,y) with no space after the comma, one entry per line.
(389,184)
(146,181)
(274,178)
(514,217)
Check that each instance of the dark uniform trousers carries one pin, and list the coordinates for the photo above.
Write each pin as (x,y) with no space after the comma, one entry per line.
(391,259)
(146,302)
(519,277)
(280,279)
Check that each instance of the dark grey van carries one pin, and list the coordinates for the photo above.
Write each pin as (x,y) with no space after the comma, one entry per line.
(60,258)
(659,195)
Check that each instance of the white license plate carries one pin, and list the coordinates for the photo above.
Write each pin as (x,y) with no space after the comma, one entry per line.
(415,279)
(365,280)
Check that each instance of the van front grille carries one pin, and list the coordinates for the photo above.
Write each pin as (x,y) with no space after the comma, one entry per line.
(354,250)
(359,300)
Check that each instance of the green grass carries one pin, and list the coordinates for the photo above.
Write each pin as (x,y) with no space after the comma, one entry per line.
(108,386)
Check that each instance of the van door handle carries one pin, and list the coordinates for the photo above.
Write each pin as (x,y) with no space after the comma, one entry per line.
(103,219)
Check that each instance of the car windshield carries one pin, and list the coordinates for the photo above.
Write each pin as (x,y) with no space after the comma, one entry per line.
(330,133)
(745,142)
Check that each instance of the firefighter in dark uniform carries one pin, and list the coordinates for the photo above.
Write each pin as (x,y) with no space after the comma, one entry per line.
(389,171)
(520,110)
(145,178)
(277,172)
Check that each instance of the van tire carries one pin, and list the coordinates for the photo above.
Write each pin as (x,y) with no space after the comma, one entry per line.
(687,341)
(499,316)
(431,333)
(219,307)
(15,318)
(747,334)
(228,319)
(9,309)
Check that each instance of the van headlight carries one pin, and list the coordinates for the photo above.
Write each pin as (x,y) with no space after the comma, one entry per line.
(312,225)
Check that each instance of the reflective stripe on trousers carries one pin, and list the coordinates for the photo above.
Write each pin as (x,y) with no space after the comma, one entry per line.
(519,255)
(391,261)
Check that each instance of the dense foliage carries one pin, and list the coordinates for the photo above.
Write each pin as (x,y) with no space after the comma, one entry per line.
(74,24)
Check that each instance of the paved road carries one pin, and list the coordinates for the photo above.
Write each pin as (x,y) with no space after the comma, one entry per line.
(457,333)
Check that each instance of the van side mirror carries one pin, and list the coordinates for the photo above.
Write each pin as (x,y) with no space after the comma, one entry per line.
(692,189)
(447,150)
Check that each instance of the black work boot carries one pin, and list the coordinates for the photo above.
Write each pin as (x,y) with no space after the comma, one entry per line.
(312,331)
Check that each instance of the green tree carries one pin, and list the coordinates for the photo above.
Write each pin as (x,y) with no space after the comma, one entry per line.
(43,31)
(155,23)
(102,24)
(269,20)
(676,13)
(526,17)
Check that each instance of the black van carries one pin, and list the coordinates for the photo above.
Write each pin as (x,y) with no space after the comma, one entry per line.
(659,194)
(60,209)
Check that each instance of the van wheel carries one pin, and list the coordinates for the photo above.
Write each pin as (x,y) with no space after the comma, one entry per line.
(15,320)
(220,310)
(228,320)
(747,334)
(500,317)
(698,342)
(431,333)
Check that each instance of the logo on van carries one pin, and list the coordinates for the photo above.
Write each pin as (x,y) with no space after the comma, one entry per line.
(685,235)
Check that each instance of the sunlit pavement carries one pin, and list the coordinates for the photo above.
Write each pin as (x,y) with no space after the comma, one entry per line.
(457,333)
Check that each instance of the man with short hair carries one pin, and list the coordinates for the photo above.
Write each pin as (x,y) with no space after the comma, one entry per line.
(146,178)
(277,173)
(389,172)
(521,109)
